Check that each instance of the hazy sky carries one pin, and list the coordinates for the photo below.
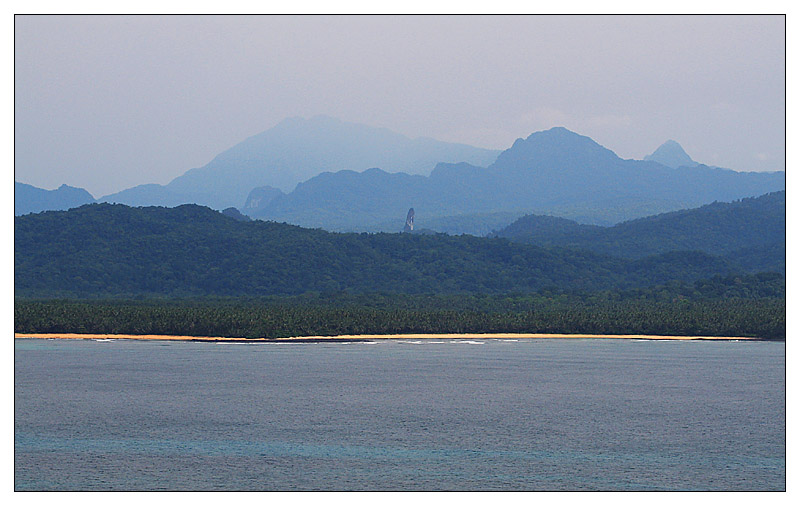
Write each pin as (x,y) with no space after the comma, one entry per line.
(106,103)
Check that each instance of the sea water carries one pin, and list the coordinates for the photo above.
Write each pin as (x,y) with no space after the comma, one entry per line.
(576,414)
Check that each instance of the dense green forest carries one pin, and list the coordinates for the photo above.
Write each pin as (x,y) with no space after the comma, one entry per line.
(189,270)
(104,250)
(741,306)
(750,232)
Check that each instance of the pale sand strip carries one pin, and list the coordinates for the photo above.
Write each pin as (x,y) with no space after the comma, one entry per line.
(371,337)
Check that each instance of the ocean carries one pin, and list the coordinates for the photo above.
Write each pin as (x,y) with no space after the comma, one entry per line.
(527,414)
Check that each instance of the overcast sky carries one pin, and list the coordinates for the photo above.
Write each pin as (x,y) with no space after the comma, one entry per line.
(106,103)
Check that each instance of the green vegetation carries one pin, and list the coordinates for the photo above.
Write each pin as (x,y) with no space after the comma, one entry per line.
(750,232)
(743,306)
(105,250)
(112,269)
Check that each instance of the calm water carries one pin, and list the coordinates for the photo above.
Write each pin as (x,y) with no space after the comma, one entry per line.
(448,415)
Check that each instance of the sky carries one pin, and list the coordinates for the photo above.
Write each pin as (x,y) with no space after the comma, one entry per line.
(109,102)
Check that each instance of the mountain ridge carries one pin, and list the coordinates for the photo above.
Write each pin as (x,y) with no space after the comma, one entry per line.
(750,226)
(553,171)
(31,199)
(294,150)
(556,170)
(193,250)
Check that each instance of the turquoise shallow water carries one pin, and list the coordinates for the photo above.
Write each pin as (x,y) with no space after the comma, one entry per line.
(400,415)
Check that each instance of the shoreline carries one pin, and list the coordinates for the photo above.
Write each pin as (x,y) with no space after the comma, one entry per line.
(373,337)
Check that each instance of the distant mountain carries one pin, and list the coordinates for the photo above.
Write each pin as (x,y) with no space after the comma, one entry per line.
(345,199)
(555,171)
(672,155)
(751,231)
(104,250)
(293,151)
(157,195)
(261,197)
(30,199)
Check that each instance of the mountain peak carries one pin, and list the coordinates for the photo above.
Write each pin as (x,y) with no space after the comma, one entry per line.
(555,147)
(298,148)
(672,155)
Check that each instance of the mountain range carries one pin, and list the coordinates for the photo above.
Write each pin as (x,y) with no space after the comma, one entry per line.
(277,175)
(293,151)
(555,171)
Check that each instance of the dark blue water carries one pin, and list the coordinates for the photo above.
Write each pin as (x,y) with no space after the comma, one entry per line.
(448,415)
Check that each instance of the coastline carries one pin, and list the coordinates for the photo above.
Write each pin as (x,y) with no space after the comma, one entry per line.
(372,337)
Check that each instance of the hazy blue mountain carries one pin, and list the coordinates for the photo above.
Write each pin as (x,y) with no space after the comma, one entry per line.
(346,199)
(30,199)
(555,171)
(261,197)
(751,231)
(155,195)
(672,155)
(558,167)
(115,250)
(293,151)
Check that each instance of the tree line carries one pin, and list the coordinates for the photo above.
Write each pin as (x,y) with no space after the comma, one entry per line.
(665,310)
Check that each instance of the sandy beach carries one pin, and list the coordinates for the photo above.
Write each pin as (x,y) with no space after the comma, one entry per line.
(372,337)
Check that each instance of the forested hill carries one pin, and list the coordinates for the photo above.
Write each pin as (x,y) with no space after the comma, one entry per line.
(751,231)
(115,250)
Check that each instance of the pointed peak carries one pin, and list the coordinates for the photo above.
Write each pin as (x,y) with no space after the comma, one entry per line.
(672,155)
(670,146)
